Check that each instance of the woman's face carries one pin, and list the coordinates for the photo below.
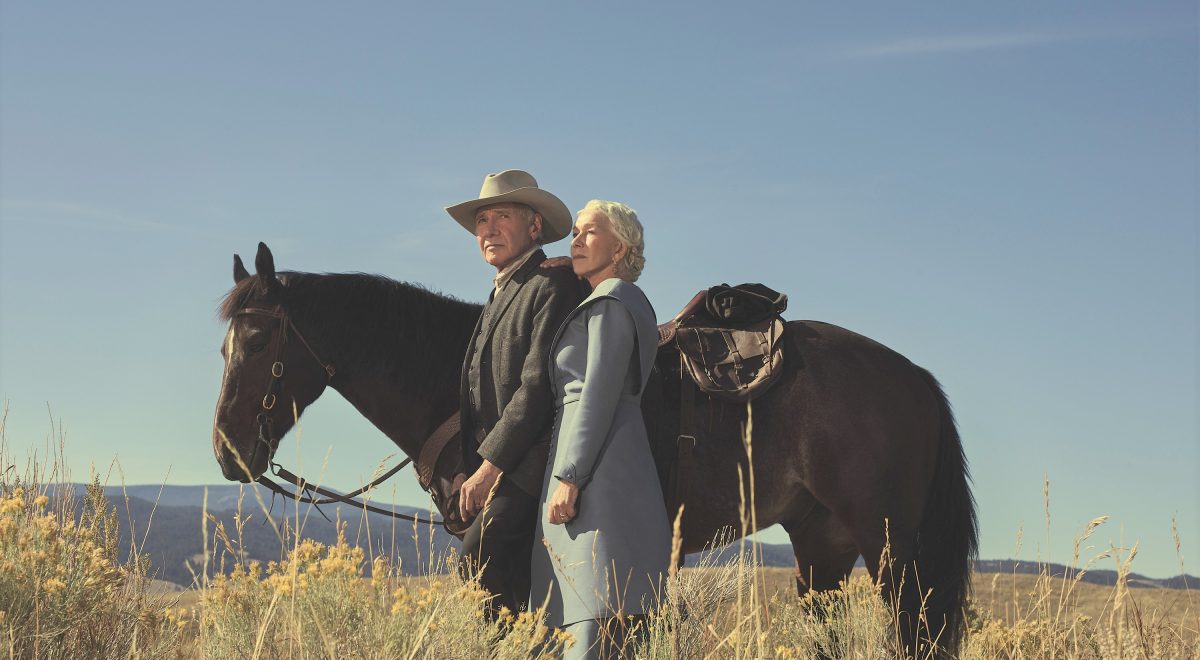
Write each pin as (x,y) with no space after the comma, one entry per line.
(595,248)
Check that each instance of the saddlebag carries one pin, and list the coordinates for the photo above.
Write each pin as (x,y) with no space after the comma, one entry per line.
(730,340)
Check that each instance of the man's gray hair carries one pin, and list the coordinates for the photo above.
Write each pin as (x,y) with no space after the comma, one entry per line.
(528,212)
(629,231)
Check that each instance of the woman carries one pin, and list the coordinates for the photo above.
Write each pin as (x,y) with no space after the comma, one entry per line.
(604,531)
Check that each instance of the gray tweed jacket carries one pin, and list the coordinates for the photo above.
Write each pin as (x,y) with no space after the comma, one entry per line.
(507,407)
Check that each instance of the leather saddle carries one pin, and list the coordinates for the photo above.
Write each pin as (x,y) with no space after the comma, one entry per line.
(729,340)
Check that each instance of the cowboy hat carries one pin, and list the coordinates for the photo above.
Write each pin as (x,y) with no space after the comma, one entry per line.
(516,187)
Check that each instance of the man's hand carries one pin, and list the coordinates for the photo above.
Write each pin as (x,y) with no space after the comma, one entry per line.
(456,490)
(475,490)
(560,508)
(556,262)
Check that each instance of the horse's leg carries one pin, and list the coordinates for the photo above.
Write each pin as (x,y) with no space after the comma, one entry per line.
(888,546)
(825,550)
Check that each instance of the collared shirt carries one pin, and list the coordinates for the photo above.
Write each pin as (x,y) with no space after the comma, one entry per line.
(505,274)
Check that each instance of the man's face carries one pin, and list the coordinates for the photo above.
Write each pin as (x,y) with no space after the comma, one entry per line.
(504,233)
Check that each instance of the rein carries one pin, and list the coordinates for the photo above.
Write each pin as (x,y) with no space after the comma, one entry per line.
(431,451)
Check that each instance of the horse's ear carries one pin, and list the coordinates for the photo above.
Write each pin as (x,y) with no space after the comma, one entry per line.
(239,270)
(264,265)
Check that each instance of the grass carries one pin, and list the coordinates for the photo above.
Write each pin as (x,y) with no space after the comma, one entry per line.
(65,592)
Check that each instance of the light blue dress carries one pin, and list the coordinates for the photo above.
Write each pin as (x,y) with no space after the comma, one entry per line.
(612,558)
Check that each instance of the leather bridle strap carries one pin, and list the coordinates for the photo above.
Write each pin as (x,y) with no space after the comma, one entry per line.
(306,489)
(286,326)
(304,496)
(300,482)
(265,421)
(431,451)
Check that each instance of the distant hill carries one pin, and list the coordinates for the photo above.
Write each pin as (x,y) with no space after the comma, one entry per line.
(1103,577)
(175,541)
(223,497)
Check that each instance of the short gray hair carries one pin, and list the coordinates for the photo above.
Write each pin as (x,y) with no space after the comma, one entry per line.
(528,212)
(629,231)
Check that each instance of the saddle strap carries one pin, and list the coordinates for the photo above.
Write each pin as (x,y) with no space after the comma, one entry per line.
(685,442)
(432,450)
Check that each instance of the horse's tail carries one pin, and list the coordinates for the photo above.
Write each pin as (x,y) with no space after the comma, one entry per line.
(948,537)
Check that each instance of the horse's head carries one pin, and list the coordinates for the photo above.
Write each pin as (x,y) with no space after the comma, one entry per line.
(271,373)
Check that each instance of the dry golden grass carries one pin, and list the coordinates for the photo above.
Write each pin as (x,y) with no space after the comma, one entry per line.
(1002,597)
(65,593)
(1007,597)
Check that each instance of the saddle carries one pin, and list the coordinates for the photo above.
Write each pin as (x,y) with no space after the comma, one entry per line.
(729,340)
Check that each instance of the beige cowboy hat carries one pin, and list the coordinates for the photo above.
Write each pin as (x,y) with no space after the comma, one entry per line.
(516,187)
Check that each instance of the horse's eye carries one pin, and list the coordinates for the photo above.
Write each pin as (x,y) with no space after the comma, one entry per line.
(256,346)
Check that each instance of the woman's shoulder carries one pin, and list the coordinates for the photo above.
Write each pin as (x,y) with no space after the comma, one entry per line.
(625,293)
(631,295)
(619,293)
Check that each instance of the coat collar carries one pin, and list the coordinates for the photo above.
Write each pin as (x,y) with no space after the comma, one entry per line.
(501,301)
(633,299)
(505,274)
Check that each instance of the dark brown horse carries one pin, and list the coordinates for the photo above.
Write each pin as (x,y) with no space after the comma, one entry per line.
(854,448)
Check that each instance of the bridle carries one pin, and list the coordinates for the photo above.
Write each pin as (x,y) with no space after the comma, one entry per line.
(431,450)
(263,419)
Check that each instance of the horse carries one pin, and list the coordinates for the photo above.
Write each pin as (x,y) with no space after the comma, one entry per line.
(855,450)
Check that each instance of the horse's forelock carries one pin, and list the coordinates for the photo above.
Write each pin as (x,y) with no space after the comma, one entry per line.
(239,296)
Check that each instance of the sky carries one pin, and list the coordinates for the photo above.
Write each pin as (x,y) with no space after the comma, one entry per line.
(1005,193)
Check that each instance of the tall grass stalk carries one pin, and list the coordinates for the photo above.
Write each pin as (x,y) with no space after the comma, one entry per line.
(65,591)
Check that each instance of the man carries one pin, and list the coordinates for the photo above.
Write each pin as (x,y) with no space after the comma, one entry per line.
(507,406)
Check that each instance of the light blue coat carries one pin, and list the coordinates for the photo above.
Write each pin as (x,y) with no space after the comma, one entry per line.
(613,556)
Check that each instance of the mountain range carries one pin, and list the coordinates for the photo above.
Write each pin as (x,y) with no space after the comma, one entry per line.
(166,522)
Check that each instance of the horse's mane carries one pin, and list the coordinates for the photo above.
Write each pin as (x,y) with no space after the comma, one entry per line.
(371,324)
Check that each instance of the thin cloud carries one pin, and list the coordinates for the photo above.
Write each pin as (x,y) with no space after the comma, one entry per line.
(933,45)
(68,213)
(408,243)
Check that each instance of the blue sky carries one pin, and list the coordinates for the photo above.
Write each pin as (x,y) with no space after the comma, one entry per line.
(1004,193)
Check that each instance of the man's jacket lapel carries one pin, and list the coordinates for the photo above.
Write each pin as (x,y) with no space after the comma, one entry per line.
(500,304)
(504,299)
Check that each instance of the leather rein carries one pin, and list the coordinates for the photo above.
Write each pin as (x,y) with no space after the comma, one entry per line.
(431,450)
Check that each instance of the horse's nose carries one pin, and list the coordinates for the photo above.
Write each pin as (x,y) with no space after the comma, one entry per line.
(233,472)
(231,468)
